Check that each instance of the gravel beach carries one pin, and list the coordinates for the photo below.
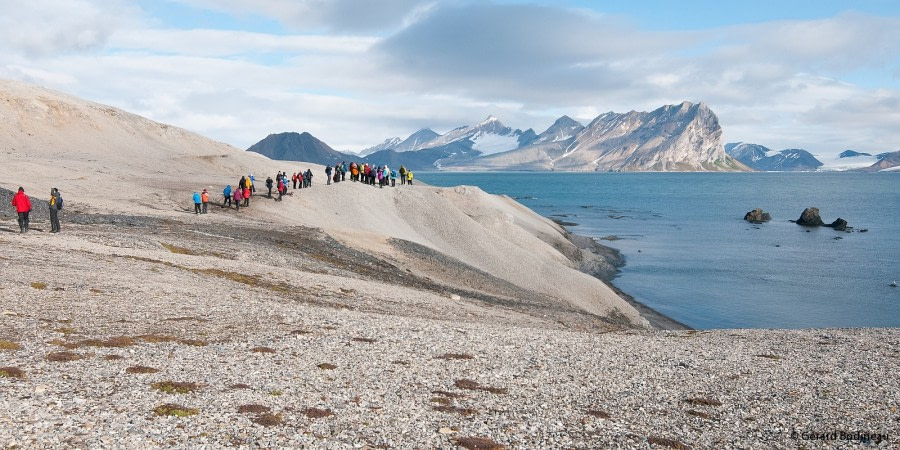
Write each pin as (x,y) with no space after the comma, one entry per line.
(102,328)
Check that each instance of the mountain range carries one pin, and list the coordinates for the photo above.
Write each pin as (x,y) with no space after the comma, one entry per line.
(684,137)
(761,158)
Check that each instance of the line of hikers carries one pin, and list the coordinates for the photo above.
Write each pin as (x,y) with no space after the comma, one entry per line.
(237,197)
(368,174)
(365,173)
(22,203)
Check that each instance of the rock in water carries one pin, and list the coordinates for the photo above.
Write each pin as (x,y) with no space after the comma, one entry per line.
(757,216)
(810,218)
(839,224)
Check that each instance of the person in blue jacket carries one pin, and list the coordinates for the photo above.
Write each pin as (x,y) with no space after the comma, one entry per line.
(227,193)
(197,202)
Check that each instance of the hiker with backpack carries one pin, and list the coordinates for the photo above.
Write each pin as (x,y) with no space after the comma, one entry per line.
(56,204)
(197,201)
(269,185)
(227,194)
(204,197)
(328,175)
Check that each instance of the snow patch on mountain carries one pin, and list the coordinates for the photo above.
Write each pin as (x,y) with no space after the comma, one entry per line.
(489,144)
(837,163)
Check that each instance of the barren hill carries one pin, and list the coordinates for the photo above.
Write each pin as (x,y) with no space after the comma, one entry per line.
(105,160)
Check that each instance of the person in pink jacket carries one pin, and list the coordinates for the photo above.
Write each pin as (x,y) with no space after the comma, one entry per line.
(238,198)
(23,207)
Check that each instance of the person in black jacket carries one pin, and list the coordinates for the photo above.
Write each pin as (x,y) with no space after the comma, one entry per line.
(269,185)
(328,174)
(55,206)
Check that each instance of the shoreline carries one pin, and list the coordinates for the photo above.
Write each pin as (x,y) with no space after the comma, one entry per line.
(613,262)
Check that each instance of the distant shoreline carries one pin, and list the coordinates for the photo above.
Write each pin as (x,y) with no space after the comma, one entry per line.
(657,319)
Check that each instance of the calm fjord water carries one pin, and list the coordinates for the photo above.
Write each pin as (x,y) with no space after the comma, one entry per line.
(692,257)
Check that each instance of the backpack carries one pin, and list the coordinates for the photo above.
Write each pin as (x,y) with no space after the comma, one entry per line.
(59,202)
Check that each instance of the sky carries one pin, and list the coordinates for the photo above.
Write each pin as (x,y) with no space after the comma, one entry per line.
(819,75)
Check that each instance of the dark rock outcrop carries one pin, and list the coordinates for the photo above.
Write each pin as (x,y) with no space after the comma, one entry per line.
(810,218)
(757,216)
(839,224)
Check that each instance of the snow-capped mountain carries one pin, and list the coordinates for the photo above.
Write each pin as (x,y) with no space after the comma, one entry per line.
(415,141)
(488,137)
(386,145)
(761,158)
(563,129)
(685,137)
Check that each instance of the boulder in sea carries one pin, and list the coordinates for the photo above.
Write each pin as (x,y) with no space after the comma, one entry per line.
(839,224)
(810,218)
(757,216)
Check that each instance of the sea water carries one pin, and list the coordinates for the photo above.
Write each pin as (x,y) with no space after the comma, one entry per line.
(691,256)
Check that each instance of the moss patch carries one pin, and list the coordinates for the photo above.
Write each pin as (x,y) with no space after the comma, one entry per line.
(63,356)
(170,409)
(316,413)
(262,350)
(253,409)
(66,330)
(327,366)
(11,372)
(157,338)
(39,286)
(268,420)
(178,250)
(703,401)
(598,413)
(239,386)
(176,387)
(473,443)
(699,414)
(9,345)
(114,342)
(141,369)
(366,340)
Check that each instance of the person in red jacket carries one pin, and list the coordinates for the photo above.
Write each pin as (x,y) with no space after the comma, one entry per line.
(23,207)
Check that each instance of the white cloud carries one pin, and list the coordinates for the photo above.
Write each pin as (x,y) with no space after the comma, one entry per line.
(327,15)
(46,27)
(778,84)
